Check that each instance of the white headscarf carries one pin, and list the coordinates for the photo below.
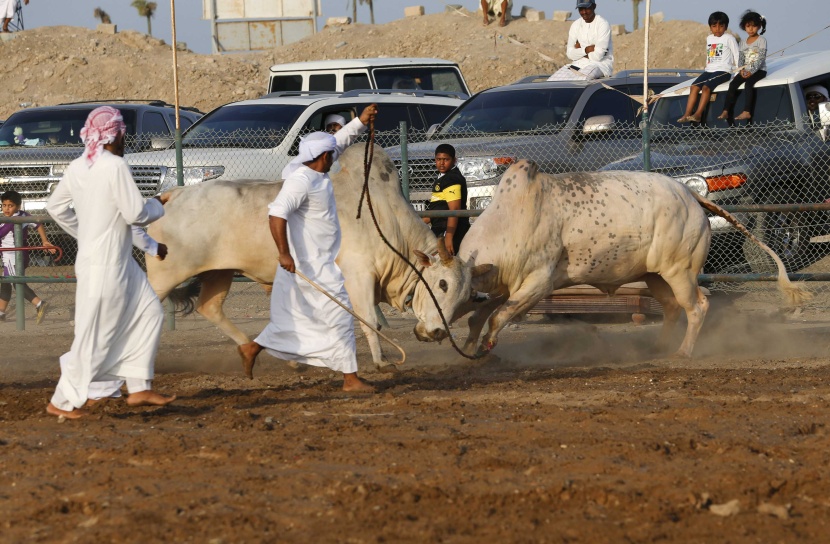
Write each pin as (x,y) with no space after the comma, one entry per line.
(102,126)
(820,89)
(334,118)
(311,147)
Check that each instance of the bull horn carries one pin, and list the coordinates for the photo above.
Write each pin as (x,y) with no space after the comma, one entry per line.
(443,254)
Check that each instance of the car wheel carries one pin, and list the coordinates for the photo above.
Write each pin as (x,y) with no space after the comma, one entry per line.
(788,235)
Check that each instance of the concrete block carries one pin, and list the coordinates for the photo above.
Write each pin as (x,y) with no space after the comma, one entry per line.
(657,17)
(562,15)
(534,15)
(338,21)
(413,11)
(107,28)
(524,10)
(452,8)
(618,30)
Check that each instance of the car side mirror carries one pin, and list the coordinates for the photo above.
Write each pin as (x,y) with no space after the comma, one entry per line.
(598,123)
(161,142)
(431,130)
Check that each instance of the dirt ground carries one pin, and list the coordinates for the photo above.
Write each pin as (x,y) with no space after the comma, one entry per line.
(572,431)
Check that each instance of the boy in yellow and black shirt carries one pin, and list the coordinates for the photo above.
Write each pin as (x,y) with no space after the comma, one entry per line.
(448,193)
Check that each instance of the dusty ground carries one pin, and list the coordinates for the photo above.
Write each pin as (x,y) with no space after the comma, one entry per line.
(51,65)
(571,432)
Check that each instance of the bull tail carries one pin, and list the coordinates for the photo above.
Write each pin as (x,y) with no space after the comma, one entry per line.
(795,294)
(184,297)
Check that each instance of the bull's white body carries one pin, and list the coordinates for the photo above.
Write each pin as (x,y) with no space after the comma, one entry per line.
(544,232)
(218,228)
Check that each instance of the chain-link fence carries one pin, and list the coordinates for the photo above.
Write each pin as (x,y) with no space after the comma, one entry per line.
(751,170)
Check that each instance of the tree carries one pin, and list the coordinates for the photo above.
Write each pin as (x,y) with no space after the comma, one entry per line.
(145,9)
(102,15)
(371,9)
(636,5)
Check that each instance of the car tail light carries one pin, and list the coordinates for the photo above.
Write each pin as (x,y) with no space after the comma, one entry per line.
(729,181)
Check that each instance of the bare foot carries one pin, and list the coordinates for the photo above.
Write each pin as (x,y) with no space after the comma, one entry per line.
(502,23)
(92,402)
(486,21)
(693,119)
(723,115)
(248,353)
(71,414)
(353,384)
(149,398)
(743,116)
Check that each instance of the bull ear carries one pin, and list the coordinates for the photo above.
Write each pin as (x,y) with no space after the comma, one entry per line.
(423,258)
(443,254)
(481,269)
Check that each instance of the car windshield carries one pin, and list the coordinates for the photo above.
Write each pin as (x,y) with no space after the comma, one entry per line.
(420,77)
(52,127)
(513,111)
(259,126)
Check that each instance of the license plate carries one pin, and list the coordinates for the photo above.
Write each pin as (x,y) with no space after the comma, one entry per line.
(419,206)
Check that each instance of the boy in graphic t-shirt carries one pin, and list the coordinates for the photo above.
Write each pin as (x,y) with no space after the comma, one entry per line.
(448,193)
(722,55)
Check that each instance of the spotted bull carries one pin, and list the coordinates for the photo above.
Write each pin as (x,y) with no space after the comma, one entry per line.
(544,232)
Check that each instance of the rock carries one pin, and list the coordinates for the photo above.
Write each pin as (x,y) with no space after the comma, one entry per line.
(452,8)
(106,28)
(413,11)
(726,509)
(618,30)
(781,512)
(561,15)
(657,17)
(338,21)
(535,16)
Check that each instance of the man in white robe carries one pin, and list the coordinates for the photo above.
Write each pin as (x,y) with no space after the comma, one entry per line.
(589,47)
(306,326)
(7,9)
(118,317)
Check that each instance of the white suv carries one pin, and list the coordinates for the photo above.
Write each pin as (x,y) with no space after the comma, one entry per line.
(257,138)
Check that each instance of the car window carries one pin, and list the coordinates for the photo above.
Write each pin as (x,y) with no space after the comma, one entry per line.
(322,82)
(435,114)
(45,127)
(419,77)
(153,124)
(287,83)
(608,102)
(315,122)
(251,125)
(184,121)
(356,81)
(513,110)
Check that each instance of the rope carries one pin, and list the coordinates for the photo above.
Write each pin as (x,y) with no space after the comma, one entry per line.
(313,284)
(367,166)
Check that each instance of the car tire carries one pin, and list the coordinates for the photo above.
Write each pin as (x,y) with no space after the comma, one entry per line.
(788,235)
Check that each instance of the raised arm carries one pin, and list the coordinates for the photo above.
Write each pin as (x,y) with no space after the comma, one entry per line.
(603,43)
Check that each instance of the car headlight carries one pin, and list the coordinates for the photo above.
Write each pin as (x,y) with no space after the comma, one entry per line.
(479,169)
(191,176)
(58,169)
(695,183)
(480,202)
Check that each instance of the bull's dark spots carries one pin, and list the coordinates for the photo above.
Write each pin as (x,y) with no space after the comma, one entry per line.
(443,285)
(385,176)
(239,192)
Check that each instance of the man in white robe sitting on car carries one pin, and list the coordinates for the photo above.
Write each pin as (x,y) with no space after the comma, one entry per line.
(589,47)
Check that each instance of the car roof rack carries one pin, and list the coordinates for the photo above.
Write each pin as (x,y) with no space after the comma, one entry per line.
(410,92)
(681,72)
(150,102)
(278,94)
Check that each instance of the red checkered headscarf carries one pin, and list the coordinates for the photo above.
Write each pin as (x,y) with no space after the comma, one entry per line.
(102,126)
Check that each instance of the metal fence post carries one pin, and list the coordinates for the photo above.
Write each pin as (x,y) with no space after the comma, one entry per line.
(20,300)
(404,163)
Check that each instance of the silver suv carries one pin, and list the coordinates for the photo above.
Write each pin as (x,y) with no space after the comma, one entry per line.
(257,138)
(37,144)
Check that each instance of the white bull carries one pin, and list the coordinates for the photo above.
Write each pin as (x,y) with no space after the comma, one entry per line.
(545,232)
(215,229)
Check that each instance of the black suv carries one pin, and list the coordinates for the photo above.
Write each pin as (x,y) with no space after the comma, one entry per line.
(781,158)
(36,144)
(563,126)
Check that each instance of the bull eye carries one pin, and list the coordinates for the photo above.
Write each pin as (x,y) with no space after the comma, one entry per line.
(443,285)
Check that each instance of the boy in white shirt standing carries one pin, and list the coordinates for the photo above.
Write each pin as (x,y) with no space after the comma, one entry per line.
(722,55)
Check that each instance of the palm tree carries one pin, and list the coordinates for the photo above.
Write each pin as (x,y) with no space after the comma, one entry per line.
(102,15)
(636,5)
(371,9)
(145,9)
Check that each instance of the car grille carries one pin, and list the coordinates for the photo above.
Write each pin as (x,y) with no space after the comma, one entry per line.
(25,171)
(147,178)
(421,174)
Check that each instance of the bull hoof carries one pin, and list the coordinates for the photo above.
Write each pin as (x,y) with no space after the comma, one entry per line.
(386,367)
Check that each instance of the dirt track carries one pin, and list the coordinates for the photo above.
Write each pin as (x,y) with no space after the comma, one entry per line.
(570,433)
